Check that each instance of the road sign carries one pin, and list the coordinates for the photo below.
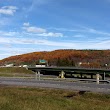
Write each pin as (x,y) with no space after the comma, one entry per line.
(42,61)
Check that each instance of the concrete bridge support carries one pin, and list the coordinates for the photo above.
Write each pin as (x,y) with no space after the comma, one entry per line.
(62,74)
(81,75)
(103,76)
(97,78)
(91,76)
(71,75)
(37,75)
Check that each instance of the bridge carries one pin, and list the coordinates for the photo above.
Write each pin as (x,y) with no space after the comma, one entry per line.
(62,71)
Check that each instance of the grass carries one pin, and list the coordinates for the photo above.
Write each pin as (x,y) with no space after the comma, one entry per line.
(23,98)
(14,71)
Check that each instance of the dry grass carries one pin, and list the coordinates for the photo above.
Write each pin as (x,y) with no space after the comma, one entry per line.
(14,71)
(23,98)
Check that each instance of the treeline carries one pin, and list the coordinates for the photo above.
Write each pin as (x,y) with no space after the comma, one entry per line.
(77,58)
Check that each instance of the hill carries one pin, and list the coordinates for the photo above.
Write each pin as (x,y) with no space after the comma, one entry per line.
(82,58)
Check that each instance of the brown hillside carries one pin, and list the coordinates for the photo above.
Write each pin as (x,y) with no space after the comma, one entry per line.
(83,58)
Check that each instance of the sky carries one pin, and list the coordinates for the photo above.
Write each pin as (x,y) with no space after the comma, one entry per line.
(46,25)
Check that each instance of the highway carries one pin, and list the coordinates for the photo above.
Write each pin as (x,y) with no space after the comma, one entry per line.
(69,69)
(77,86)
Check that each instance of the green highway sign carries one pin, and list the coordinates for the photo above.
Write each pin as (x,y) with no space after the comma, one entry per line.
(42,61)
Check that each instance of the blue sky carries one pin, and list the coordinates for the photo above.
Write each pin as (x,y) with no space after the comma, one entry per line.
(44,25)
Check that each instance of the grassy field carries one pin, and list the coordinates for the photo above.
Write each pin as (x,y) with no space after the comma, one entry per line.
(23,98)
(14,71)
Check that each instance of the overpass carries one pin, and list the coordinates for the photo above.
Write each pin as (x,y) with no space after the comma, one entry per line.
(62,71)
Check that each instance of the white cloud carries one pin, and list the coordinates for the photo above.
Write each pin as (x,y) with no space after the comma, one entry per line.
(67,30)
(33,42)
(98,32)
(51,34)
(2,56)
(83,30)
(7,45)
(11,33)
(8,10)
(26,24)
(15,51)
(34,29)
(40,31)
(11,49)
(94,31)
(79,36)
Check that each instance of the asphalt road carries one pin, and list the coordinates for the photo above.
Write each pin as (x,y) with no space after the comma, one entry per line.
(92,87)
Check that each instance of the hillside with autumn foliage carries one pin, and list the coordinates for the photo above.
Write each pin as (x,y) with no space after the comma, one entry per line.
(77,58)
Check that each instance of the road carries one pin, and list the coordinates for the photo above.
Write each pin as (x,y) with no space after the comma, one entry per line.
(92,87)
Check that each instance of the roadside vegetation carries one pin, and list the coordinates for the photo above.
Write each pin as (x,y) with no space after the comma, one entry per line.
(23,98)
(14,71)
